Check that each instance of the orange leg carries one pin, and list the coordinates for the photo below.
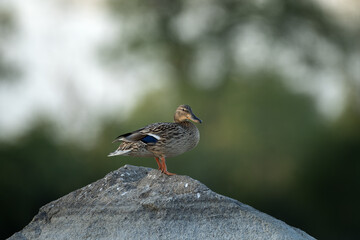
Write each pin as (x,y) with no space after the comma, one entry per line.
(158,163)
(164,168)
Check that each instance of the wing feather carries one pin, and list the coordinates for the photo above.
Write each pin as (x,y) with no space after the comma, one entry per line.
(147,134)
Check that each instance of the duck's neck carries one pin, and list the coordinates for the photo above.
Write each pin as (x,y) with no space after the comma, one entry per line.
(185,123)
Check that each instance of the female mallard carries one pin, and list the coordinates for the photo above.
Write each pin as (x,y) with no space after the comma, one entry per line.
(161,140)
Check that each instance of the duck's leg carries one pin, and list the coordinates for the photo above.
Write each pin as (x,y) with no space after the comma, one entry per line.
(158,163)
(164,168)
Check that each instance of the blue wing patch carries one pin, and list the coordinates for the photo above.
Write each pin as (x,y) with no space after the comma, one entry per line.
(149,139)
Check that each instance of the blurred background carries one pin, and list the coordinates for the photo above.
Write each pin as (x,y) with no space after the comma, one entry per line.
(276,83)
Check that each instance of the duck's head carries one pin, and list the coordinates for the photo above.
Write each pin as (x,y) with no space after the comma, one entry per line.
(183,113)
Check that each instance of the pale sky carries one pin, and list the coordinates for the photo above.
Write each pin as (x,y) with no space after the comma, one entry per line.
(57,47)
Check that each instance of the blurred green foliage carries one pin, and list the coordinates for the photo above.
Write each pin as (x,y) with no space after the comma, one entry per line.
(261,142)
(273,152)
(8,70)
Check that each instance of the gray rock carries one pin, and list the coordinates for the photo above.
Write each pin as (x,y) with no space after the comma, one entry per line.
(142,203)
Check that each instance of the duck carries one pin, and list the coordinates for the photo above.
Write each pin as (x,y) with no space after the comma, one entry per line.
(163,139)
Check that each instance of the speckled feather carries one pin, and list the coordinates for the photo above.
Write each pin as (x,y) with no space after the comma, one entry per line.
(166,139)
(175,139)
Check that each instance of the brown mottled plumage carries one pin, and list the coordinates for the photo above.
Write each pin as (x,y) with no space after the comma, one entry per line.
(161,140)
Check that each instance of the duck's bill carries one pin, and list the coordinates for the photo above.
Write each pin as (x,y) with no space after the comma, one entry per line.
(195,119)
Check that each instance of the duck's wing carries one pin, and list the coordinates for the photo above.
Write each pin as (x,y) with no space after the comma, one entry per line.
(130,137)
(146,134)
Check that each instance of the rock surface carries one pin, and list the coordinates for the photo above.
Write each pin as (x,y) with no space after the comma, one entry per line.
(142,203)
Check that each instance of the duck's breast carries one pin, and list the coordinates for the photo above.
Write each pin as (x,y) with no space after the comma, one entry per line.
(179,141)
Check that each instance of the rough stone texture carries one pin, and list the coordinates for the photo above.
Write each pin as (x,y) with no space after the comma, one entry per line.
(141,203)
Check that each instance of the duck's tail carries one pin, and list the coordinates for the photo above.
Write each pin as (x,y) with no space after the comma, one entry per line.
(119,152)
